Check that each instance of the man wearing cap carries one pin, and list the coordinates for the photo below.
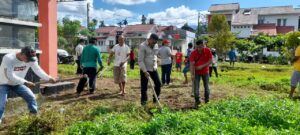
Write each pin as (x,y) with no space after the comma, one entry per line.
(13,70)
(295,78)
(165,55)
(147,60)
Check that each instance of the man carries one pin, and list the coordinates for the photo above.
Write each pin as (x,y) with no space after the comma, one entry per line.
(232,57)
(89,58)
(214,64)
(200,60)
(13,70)
(165,55)
(187,65)
(147,60)
(78,52)
(121,52)
(295,78)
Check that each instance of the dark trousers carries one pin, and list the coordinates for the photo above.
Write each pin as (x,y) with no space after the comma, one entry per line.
(213,69)
(91,73)
(79,70)
(144,85)
(166,73)
(132,62)
(205,79)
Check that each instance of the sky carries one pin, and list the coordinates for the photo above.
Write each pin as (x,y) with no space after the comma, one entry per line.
(164,12)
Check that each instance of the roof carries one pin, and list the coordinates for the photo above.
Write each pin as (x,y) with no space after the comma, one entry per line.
(224,7)
(143,28)
(243,19)
(106,29)
(276,10)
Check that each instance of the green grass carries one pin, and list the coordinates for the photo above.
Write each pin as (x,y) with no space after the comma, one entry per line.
(253,115)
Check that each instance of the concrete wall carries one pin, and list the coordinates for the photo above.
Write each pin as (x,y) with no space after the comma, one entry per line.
(244,31)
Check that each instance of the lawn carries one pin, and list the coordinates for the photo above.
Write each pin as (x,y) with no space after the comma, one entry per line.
(245,99)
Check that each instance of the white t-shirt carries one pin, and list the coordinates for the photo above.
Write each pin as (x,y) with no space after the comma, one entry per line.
(13,71)
(121,53)
(78,50)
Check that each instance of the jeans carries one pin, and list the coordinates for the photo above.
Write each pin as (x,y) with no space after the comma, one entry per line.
(196,83)
(213,69)
(144,85)
(92,74)
(166,73)
(23,92)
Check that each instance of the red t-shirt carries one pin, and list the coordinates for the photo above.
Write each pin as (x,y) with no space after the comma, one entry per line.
(131,55)
(178,57)
(201,59)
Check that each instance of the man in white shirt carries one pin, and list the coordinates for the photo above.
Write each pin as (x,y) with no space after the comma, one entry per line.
(78,52)
(13,70)
(121,52)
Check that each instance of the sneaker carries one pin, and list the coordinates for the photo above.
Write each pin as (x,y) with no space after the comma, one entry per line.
(197,103)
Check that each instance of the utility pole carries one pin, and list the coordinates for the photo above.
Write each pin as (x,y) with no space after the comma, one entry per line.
(88,14)
(198,28)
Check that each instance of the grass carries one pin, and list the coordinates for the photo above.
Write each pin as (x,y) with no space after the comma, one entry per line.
(266,112)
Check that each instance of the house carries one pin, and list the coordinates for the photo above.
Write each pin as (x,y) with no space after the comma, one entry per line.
(251,21)
(136,34)
(247,22)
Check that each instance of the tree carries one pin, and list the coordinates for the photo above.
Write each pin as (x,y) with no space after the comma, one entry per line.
(292,41)
(202,29)
(144,19)
(125,22)
(151,21)
(221,37)
(70,31)
(187,28)
(102,24)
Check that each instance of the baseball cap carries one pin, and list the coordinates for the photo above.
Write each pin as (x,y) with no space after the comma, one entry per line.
(165,41)
(30,53)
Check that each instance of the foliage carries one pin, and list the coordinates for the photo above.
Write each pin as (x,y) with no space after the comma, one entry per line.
(69,30)
(252,115)
(293,40)
(151,21)
(187,27)
(221,38)
(102,24)
(62,42)
(143,19)
(202,28)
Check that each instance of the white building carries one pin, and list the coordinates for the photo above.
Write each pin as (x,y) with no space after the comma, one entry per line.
(251,21)
(136,34)
(247,22)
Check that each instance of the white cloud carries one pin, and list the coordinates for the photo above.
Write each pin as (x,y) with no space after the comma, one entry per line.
(128,2)
(176,16)
(78,11)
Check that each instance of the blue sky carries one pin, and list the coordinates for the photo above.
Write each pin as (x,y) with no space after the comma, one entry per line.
(165,12)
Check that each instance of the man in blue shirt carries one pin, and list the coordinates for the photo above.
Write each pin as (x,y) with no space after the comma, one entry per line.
(232,57)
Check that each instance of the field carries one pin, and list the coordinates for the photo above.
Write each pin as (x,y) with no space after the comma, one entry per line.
(245,99)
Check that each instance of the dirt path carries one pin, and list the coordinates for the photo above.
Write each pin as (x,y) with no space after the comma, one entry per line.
(176,96)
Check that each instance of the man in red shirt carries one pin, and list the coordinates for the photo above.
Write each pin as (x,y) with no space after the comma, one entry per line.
(178,58)
(200,60)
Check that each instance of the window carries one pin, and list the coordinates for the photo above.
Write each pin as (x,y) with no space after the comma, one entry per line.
(278,22)
(260,21)
(13,36)
(21,9)
(111,42)
(284,22)
(247,12)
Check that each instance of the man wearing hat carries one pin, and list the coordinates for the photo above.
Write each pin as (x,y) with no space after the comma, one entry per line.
(165,55)
(13,70)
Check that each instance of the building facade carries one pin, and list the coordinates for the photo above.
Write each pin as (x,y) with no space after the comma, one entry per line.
(246,22)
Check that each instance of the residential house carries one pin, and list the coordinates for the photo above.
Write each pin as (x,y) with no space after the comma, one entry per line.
(136,34)
(247,22)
